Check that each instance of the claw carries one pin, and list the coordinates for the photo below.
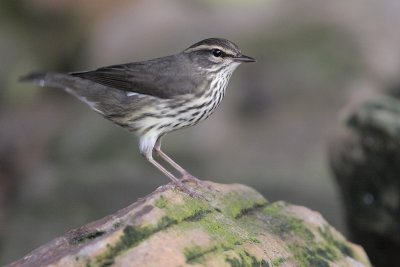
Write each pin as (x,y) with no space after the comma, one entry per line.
(187,177)
(184,188)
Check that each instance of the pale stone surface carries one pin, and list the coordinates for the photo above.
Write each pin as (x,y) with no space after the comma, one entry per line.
(232,225)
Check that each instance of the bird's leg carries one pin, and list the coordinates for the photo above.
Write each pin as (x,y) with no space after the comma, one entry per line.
(185,174)
(146,147)
(175,180)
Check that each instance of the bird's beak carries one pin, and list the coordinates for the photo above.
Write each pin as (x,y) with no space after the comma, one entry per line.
(243,58)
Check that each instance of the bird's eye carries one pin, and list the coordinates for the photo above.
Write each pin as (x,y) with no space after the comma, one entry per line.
(216,52)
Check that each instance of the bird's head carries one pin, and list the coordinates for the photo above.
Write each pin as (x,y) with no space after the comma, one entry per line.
(215,54)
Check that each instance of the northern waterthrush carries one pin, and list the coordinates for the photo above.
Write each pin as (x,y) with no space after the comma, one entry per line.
(158,96)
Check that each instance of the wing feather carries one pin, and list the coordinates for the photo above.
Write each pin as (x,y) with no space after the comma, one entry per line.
(161,77)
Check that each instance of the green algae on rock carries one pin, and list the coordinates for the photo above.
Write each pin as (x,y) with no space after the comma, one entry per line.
(232,225)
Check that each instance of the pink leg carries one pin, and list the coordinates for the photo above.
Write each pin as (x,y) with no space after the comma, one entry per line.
(185,174)
(175,180)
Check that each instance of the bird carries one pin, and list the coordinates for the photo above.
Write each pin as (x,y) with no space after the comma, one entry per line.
(155,97)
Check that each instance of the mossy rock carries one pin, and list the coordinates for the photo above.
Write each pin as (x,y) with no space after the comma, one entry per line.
(233,225)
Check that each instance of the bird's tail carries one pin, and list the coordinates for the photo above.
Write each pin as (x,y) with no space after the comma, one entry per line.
(57,80)
(80,88)
(33,76)
(111,103)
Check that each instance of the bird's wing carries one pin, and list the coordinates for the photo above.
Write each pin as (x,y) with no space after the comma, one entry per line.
(162,77)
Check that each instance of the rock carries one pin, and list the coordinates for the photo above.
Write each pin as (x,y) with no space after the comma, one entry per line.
(365,158)
(232,225)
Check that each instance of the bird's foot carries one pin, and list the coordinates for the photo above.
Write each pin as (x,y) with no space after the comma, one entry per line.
(184,188)
(187,177)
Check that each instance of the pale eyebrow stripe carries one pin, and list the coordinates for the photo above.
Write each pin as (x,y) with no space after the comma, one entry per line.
(209,47)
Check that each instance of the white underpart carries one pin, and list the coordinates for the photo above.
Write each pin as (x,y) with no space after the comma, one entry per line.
(184,119)
(147,142)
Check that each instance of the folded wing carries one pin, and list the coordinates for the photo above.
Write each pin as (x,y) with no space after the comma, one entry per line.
(162,77)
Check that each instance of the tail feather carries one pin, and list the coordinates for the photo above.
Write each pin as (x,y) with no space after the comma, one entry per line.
(51,79)
(33,76)
(104,100)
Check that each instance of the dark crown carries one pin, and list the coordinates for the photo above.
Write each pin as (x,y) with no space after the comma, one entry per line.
(224,45)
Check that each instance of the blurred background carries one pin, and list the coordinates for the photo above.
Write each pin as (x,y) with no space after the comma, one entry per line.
(62,165)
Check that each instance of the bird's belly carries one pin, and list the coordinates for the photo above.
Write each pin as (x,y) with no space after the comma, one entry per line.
(171,116)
